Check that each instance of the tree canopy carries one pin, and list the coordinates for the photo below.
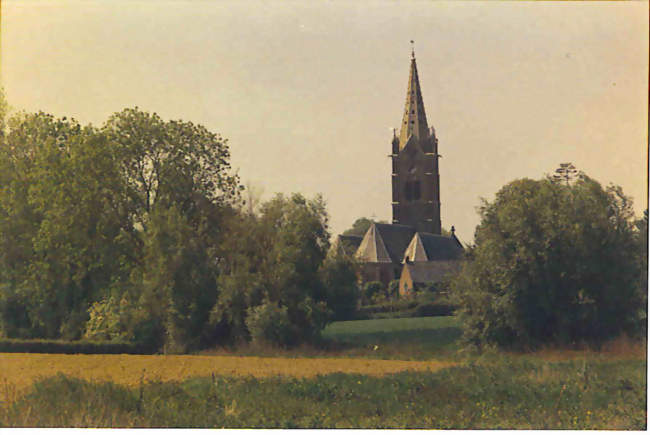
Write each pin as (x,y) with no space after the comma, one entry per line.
(553,261)
(122,215)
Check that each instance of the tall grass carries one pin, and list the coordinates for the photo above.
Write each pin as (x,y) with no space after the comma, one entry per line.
(502,393)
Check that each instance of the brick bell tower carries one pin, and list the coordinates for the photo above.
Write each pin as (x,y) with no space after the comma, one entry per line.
(415,177)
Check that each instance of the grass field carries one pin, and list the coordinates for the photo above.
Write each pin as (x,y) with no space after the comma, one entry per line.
(515,393)
(407,338)
(365,381)
(22,369)
(419,338)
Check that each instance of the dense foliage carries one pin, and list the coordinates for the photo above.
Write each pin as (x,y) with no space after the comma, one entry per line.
(552,262)
(276,261)
(136,232)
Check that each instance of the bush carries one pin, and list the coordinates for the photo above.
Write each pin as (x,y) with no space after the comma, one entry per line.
(73,347)
(269,323)
(393,289)
(420,306)
(551,263)
(371,289)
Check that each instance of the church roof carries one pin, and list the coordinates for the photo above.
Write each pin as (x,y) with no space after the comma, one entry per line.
(414,122)
(372,248)
(385,243)
(441,247)
(433,247)
(396,238)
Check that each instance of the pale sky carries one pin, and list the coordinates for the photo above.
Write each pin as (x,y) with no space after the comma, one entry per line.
(307,92)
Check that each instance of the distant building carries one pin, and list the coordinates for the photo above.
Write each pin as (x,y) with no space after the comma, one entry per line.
(412,248)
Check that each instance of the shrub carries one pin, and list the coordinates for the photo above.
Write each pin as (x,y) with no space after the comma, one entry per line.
(73,347)
(269,323)
(371,289)
(393,289)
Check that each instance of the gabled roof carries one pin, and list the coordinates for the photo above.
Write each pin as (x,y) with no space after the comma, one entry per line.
(440,247)
(433,247)
(372,248)
(385,243)
(396,238)
(429,271)
(415,250)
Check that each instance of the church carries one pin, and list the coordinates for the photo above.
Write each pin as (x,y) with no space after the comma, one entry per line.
(411,248)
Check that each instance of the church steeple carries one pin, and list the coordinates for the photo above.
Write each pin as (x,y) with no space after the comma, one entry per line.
(415,176)
(414,121)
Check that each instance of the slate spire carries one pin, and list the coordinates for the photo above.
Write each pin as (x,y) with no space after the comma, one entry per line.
(414,122)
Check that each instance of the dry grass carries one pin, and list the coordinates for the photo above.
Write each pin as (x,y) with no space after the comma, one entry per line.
(20,370)
(622,348)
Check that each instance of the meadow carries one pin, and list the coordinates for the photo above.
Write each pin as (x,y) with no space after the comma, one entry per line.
(361,380)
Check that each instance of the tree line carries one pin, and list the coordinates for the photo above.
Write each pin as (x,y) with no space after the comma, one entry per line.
(136,231)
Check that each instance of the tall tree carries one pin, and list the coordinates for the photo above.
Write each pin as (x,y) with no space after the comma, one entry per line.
(64,231)
(551,262)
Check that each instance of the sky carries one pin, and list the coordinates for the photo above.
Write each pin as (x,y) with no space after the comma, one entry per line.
(307,93)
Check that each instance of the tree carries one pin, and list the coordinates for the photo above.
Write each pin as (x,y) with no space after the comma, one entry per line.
(171,162)
(274,259)
(552,262)
(63,234)
(360,227)
(338,275)
(642,264)
(130,212)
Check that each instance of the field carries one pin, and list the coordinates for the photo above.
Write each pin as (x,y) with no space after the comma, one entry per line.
(363,381)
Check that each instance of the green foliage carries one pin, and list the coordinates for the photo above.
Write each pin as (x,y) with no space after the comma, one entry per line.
(359,227)
(269,324)
(338,275)
(10,345)
(393,289)
(407,338)
(373,289)
(506,394)
(553,262)
(641,250)
(107,320)
(131,212)
(276,257)
(63,236)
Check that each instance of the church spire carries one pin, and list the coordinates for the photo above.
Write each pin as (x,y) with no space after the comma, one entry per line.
(414,122)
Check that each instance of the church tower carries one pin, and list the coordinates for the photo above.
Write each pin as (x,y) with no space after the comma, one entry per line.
(415,177)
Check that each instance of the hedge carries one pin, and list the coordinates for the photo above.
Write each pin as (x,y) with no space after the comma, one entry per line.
(405,308)
(71,347)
